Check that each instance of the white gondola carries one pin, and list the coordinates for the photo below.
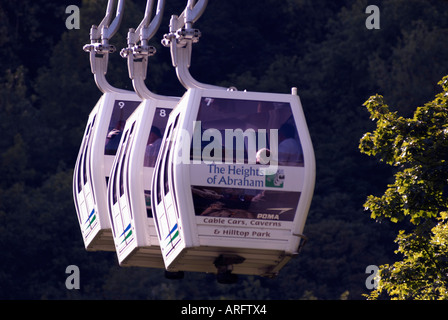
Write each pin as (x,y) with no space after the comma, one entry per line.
(235,175)
(100,140)
(129,189)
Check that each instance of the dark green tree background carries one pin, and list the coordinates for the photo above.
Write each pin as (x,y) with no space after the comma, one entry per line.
(321,47)
(417,199)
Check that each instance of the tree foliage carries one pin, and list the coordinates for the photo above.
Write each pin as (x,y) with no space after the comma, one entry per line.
(418,198)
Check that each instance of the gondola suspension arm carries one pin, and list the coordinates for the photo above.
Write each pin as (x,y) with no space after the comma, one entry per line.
(138,50)
(180,39)
(99,47)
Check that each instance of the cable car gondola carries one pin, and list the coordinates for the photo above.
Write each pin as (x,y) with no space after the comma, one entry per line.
(235,174)
(129,189)
(101,137)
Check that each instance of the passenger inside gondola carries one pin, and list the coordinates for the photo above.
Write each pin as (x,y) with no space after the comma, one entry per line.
(289,149)
(113,138)
(152,147)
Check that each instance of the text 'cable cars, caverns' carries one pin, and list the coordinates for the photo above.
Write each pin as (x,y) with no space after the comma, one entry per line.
(101,138)
(235,174)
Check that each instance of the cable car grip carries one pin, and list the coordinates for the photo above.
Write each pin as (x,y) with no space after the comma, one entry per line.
(99,47)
